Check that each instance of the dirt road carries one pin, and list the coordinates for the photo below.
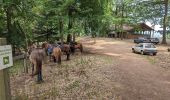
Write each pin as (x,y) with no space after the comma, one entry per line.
(134,77)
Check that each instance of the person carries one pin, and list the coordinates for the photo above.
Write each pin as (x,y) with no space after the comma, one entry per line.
(49,51)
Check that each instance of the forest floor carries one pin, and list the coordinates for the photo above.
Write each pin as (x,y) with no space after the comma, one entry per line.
(107,70)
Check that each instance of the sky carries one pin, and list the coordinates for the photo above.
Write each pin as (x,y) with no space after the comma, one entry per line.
(157,27)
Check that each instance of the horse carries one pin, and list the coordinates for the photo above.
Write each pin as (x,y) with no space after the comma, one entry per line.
(53,51)
(65,48)
(75,45)
(36,57)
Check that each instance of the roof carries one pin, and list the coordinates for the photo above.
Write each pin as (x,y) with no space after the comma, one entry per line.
(139,26)
(142,27)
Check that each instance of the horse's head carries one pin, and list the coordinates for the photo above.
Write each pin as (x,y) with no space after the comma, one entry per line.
(45,45)
(31,48)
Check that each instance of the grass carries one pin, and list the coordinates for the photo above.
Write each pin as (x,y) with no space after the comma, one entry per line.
(151,59)
(18,67)
(74,79)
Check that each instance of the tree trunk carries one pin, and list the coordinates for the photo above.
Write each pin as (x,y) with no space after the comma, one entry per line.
(74,37)
(85,27)
(61,30)
(69,37)
(165,22)
(116,16)
(122,16)
(9,25)
(47,37)
(70,25)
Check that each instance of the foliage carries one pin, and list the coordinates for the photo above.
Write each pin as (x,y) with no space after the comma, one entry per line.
(22,21)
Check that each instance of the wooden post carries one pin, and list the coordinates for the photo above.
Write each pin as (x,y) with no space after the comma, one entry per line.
(5,93)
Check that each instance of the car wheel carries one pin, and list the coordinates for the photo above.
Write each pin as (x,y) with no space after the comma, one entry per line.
(154,54)
(133,50)
(142,52)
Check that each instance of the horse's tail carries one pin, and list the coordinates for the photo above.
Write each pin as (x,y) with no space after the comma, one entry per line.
(81,48)
(59,56)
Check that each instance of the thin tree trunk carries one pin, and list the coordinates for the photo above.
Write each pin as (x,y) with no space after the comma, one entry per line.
(61,30)
(116,16)
(165,22)
(9,25)
(70,25)
(85,27)
(26,43)
(74,37)
(122,16)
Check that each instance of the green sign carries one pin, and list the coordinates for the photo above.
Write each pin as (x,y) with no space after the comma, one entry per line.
(6,60)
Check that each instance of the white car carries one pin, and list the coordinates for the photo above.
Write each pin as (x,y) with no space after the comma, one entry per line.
(145,48)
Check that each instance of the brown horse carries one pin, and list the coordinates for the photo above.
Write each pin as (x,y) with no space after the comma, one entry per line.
(37,56)
(57,54)
(75,45)
(65,48)
(53,51)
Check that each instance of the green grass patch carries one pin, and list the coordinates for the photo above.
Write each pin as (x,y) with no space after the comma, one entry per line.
(151,59)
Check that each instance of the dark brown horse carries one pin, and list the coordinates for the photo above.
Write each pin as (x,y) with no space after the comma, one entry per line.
(53,51)
(75,45)
(37,56)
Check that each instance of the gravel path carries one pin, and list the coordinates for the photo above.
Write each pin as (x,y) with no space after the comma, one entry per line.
(135,77)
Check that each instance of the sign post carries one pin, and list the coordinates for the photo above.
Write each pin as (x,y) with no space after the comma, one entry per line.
(5,61)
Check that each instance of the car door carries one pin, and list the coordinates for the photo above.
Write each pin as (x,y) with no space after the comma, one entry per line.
(139,47)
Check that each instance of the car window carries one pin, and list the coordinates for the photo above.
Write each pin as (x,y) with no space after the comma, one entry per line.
(141,45)
(138,45)
(150,46)
(141,38)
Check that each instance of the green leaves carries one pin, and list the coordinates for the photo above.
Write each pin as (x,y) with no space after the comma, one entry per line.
(97,16)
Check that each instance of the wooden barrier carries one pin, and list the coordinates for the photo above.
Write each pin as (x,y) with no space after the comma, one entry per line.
(5,93)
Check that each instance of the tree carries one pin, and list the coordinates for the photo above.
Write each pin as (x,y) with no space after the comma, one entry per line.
(165,22)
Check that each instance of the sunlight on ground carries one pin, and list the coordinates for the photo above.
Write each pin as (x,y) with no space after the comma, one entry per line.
(113,54)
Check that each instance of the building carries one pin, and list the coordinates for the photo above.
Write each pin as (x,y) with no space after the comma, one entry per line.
(133,31)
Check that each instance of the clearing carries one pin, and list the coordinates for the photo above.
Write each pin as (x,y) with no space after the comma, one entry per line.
(109,71)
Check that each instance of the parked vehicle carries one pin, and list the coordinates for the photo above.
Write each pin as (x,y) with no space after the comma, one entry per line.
(141,40)
(154,40)
(146,40)
(145,48)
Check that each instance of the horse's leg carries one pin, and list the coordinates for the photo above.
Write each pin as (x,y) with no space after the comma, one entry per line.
(39,71)
(81,48)
(72,49)
(68,55)
(49,58)
(59,58)
(32,69)
(39,77)
(54,59)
